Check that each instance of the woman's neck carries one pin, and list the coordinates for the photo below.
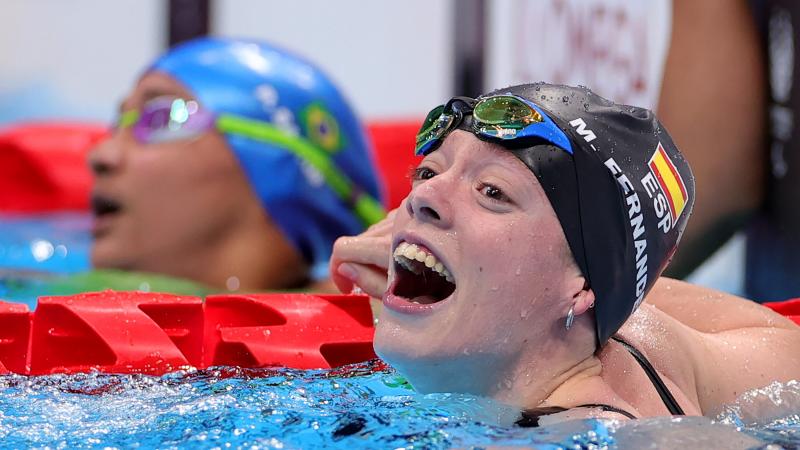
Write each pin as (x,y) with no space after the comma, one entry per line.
(564,372)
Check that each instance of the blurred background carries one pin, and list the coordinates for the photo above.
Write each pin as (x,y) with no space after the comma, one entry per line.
(394,60)
(66,62)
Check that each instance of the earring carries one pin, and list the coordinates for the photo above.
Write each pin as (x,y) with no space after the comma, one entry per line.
(570,317)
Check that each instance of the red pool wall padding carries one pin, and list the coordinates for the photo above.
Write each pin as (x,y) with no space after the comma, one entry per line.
(394,152)
(135,332)
(43,165)
(788,308)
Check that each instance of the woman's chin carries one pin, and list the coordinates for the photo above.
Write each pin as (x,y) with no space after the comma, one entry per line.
(401,351)
(390,346)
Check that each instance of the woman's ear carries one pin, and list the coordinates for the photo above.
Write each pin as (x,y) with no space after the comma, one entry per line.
(583,299)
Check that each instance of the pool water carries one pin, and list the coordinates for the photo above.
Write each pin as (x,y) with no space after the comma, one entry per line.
(366,405)
(52,242)
(361,406)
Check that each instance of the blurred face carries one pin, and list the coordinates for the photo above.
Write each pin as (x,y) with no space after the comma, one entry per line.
(480,270)
(160,207)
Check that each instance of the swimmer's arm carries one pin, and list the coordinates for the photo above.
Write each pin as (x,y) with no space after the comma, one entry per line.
(714,112)
(735,344)
(710,311)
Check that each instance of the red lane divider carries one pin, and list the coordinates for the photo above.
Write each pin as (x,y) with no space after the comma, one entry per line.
(136,332)
(300,331)
(110,332)
(15,325)
(788,308)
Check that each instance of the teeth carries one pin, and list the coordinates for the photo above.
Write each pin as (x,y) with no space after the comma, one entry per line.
(406,253)
(430,261)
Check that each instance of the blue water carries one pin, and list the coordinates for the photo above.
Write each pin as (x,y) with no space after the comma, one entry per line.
(54,242)
(360,406)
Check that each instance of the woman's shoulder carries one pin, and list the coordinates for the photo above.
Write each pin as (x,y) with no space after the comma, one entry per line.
(705,341)
(710,311)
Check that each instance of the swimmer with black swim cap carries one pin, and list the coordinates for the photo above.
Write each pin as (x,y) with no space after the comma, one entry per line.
(539,220)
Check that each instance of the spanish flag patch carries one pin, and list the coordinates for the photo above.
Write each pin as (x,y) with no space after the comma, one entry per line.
(670,181)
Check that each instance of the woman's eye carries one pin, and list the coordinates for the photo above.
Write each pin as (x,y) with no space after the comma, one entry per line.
(493,192)
(422,173)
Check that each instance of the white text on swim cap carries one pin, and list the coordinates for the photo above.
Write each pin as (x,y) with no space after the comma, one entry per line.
(659,202)
(580,128)
(637,227)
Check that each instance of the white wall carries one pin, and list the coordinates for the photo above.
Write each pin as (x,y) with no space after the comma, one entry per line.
(392,59)
(75,58)
(616,47)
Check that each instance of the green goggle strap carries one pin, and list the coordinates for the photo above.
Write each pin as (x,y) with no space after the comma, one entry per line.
(368,209)
(128,118)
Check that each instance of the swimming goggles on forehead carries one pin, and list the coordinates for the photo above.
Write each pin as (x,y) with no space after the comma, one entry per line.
(167,119)
(496,118)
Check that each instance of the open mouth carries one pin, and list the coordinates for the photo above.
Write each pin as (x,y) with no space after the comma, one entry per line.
(420,277)
(104,206)
(104,210)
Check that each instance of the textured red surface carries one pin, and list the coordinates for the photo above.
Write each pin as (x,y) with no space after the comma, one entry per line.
(136,332)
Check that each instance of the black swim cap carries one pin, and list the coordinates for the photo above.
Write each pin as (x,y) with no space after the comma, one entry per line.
(623,197)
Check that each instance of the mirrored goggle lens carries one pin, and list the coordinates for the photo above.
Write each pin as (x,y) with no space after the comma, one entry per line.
(433,128)
(502,116)
(169,119)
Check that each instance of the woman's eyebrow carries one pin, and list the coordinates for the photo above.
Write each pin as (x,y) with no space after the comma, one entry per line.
(148,94)
(151,93)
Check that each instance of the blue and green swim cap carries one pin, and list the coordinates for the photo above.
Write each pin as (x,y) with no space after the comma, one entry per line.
(299,143)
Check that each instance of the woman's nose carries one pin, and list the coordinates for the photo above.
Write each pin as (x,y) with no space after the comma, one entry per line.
(430,202)
(107,156)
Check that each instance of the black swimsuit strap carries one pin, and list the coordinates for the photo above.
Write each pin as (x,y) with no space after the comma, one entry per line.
(663,392)
(608,408)
(530,417)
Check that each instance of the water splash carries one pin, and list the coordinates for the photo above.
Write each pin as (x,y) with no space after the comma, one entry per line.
(361,406)
(771,413)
